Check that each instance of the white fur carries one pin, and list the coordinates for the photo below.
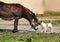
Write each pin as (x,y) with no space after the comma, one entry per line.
(50,26)
(45,26)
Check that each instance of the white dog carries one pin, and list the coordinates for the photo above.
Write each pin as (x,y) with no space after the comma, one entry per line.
(45,26)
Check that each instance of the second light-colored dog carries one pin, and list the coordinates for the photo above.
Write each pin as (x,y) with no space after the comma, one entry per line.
(45,26)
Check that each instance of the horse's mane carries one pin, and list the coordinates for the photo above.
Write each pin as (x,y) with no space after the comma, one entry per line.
(27,10)
(2,2)
(32,13)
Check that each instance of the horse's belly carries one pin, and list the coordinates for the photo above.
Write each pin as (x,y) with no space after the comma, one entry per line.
(5,15)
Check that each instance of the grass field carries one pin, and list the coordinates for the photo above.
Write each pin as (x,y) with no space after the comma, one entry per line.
(6,36)
(48,13)
(29,37)
(54,22)
(51,15)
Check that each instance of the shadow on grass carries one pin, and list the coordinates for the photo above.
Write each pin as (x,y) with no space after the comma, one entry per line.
(10,30)
(5,30)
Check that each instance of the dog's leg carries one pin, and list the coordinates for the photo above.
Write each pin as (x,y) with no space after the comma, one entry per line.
(45,29)
(52,30)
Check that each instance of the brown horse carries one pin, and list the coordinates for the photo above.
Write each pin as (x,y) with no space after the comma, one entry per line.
(16,11)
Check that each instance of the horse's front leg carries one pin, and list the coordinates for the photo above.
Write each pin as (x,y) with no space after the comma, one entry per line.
(15,25)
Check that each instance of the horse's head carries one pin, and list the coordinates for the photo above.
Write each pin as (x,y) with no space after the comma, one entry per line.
(31,17)
(34,22)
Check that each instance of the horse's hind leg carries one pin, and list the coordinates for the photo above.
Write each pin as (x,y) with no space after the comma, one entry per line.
(15,25)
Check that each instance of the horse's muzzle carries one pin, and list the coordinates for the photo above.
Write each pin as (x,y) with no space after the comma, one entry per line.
(36,28)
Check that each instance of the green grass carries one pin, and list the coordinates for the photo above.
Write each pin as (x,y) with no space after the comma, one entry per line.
(29,37)
(54,22)
(48,13)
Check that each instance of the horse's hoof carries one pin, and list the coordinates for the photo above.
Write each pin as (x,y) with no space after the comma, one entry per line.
(14,31)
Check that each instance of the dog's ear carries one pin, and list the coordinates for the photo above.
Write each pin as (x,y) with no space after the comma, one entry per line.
(39,22)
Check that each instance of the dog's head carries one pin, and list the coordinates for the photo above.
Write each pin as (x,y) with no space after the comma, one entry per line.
(39,22)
